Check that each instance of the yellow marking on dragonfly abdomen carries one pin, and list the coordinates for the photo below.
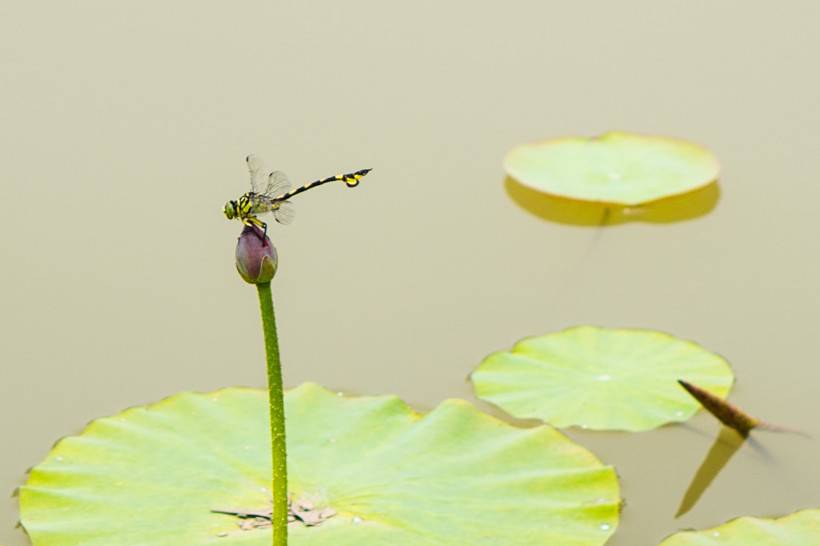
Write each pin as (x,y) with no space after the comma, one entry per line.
(352,179)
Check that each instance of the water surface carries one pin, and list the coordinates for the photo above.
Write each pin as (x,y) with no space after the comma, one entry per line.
(125,128)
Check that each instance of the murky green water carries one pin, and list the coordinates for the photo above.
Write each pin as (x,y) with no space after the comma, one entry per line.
(124,131)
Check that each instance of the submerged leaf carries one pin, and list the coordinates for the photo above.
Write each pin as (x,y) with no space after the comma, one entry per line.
(798,529)
(618,168)
(377,473)
(727,443)
(601,378)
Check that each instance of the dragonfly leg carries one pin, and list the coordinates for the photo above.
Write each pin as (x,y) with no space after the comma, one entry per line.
(255,222)
(259,224)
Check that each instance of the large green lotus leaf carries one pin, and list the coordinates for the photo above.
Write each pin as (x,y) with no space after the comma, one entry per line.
(601,378)
(455,476)
(798,529)
(617,168)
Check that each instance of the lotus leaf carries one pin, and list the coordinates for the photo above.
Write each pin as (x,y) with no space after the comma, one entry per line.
(379,474)
(601,378)
(798,529)
(617,168)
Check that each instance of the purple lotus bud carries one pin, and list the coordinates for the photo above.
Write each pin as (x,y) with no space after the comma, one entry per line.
(256,258)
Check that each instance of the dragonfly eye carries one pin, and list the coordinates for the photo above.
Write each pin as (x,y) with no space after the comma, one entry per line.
(230,210)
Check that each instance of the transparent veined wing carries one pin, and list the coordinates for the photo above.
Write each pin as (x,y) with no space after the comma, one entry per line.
(262,204)
(284,213)
(257,171)
(278,183)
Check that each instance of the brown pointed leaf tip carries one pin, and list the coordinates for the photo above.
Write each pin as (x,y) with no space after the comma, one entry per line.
(725,412)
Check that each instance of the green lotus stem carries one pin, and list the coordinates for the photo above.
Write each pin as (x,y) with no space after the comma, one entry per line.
(276,402)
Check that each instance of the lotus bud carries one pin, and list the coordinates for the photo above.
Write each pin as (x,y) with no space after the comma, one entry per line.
(256,257)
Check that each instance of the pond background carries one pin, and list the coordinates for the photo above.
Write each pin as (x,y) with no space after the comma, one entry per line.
(124,131)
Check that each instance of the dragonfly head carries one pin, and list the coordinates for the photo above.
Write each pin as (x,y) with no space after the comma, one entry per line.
(231,210)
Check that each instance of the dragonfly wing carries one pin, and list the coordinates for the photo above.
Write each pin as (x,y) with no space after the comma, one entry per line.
(261,204)
(284,213)
(278,183)
(257,171)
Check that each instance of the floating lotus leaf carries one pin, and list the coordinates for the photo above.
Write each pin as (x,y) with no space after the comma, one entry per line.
(617,168)
(798,529)
(601,378)
(388,476)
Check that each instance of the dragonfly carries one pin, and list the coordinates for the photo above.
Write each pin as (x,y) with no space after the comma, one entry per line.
(271,193)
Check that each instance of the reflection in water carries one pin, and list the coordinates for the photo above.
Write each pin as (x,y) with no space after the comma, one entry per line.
(726,445)
(589,213)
